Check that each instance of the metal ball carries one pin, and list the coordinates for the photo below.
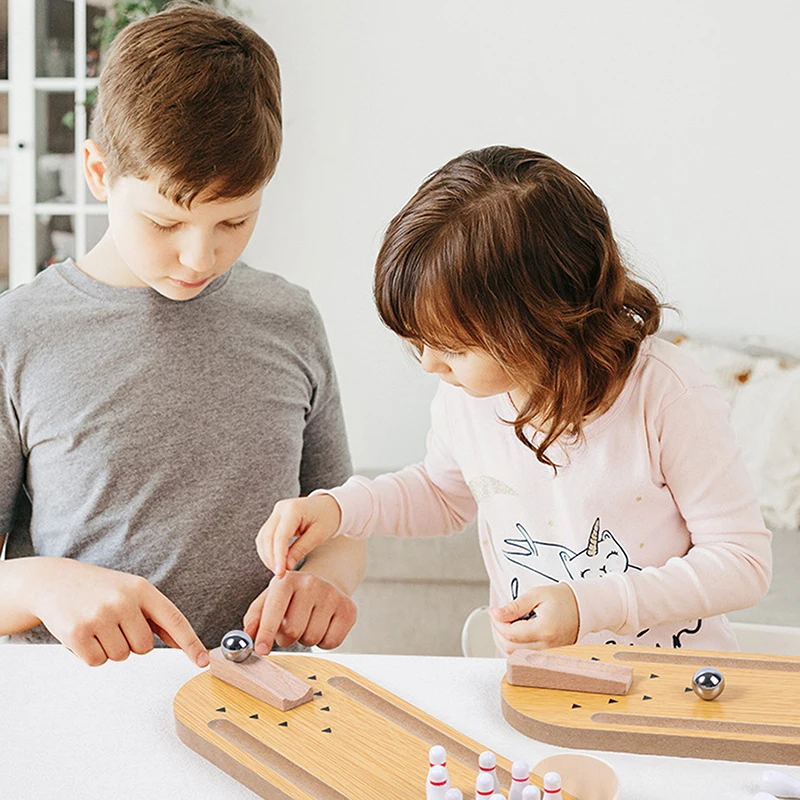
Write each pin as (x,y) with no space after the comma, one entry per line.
(708,683)
(236,646)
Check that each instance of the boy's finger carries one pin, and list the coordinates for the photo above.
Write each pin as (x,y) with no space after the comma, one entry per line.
(113,641)
(253,615)
(89,651)
(296,619)
(169,618)
(163,635)
(276,601)
(338,629)
(138,634)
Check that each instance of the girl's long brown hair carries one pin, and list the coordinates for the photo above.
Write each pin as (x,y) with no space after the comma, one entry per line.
(506,250)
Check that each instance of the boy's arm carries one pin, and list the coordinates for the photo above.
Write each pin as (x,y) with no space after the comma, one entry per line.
(14,616)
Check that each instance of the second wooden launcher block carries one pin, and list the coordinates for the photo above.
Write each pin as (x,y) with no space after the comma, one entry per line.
(545,670)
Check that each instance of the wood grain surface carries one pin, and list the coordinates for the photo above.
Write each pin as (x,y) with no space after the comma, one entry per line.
(755,719)
(354,741)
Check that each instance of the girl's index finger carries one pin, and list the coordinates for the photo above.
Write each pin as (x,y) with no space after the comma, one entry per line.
(287,528)
(264,541)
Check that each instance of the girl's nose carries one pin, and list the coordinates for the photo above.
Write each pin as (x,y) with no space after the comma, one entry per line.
(430,362)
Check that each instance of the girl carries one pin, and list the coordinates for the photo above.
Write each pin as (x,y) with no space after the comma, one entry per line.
(613,504)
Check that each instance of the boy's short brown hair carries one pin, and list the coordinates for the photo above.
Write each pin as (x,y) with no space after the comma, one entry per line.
(190,96)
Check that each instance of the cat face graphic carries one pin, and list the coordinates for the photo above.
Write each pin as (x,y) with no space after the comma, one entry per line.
(602,556)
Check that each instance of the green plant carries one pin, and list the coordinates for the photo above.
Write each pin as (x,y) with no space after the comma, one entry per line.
(123,12)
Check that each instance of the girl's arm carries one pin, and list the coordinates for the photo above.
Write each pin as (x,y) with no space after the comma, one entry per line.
(426,499)
(729,563)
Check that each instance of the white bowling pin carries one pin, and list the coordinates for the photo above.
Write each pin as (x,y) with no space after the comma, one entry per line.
(531,792)
(764,796)
(438,783)
(488,764)
(454,794)
(497,796)
(552,786)
(520,772)
(780,784)
(484,786)
(437,755)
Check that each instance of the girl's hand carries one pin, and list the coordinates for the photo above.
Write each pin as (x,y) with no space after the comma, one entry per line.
(556,622)
(102,614)
(313,520)
(300,607)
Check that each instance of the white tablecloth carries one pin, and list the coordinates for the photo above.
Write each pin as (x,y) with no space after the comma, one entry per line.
(71,731)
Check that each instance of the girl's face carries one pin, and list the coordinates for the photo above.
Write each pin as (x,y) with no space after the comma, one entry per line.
(474,371)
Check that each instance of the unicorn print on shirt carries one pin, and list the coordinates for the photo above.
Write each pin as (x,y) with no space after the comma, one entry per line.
(603,555)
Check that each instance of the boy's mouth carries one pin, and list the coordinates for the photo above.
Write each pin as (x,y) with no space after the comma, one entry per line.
(190,285)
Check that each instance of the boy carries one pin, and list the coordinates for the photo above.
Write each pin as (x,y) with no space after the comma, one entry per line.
(157,398)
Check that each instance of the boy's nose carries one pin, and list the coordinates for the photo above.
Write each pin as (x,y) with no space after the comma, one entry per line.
(198,256)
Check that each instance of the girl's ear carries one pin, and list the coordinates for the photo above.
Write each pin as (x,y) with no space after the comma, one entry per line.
(94,170)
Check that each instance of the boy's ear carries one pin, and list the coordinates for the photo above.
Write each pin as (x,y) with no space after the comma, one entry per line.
(94,169)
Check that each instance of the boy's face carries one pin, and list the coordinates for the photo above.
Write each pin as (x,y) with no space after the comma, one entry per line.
(173,250)
(153,242)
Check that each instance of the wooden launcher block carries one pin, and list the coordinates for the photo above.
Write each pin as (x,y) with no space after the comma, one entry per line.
(544,670)
(263,679)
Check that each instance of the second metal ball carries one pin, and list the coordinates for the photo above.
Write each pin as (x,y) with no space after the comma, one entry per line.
(708,683)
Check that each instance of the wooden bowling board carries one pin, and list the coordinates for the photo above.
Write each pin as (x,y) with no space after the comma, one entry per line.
(756,718)
(354,741)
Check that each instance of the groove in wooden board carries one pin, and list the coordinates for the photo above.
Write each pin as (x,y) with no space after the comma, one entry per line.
(420,729)
(751,721)
(248,743)
(682,723)
(338,759)
(720,662)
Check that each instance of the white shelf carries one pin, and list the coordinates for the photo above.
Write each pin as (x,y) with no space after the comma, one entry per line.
(65,209)
(64,84)
(32,125)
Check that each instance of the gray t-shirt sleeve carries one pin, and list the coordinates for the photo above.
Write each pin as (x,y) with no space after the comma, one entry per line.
(12,461)
(326,458)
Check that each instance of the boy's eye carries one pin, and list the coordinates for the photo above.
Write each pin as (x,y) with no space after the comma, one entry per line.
(164,228)
(234,225)
(447,354)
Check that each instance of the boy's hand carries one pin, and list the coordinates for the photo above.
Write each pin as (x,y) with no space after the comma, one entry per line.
(312,519)
(102,614)
(302,607)
(556,622)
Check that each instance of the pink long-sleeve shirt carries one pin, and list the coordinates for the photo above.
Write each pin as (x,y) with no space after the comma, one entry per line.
(652,519)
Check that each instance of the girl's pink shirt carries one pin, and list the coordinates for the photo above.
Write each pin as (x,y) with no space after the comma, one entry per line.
(652,519)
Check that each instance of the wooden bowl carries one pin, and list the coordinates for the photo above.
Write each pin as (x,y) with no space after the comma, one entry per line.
(586,777)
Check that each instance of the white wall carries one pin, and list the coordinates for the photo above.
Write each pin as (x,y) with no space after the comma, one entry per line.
(683,116)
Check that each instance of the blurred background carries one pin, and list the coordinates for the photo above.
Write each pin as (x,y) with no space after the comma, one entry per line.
(682,116)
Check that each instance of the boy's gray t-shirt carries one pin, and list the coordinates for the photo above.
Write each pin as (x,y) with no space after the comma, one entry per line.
(154,436)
